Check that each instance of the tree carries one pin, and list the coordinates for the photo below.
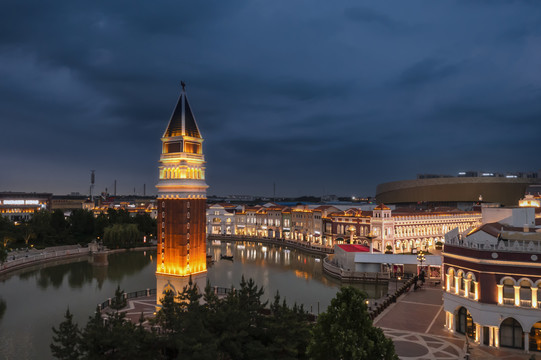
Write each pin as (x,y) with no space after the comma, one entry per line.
(345,331)
(3,254)
(66,339)
(121,235)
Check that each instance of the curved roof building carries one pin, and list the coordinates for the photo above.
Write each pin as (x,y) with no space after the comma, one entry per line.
(454,189)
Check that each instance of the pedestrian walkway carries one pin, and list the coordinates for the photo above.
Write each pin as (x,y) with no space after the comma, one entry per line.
(415,323)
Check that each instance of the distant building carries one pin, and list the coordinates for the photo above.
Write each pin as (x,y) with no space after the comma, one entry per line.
(20,206)
(492,279)
(462,192)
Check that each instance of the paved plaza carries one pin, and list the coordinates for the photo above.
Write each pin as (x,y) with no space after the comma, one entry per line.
(416,325)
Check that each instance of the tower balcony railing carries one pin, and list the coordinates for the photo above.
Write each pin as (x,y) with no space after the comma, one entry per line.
(525,303)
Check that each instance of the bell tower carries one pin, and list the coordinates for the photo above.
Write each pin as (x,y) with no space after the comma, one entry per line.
(181,203)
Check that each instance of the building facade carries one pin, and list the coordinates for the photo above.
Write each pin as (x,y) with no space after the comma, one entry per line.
(181,204)
(492,280)
(19,206)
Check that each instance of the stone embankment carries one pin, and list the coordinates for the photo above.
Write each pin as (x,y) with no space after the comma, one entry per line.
(20,259)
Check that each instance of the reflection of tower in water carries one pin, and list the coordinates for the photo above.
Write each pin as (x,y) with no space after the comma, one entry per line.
(181,203)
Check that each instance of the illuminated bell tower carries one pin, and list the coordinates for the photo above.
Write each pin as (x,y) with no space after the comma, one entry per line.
(181,204)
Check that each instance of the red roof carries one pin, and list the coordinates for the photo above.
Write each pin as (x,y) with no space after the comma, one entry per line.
(353,248)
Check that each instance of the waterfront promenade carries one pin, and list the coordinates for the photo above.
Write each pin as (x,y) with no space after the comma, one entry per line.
(304,246)
(415,323)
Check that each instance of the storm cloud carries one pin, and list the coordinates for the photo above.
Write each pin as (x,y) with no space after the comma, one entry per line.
(313,96)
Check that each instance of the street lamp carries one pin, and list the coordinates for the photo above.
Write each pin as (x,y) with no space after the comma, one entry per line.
(421,258)
(396,283)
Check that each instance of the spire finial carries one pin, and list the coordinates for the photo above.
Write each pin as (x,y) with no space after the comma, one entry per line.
(183,85)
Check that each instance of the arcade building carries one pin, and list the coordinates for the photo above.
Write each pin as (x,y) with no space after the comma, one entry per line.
(181,204)
(492,279)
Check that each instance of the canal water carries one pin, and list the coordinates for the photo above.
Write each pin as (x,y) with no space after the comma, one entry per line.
(33,300)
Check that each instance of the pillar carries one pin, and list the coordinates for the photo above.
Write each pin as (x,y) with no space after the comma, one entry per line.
(467,287)
(457,285)
(517,295)
(534,297)
(476,294)
(491,336)
(500,293)
(478,334)
(496,337)
(526,341)
(447,282)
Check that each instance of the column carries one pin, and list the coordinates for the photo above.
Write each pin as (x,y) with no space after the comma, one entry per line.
(457,285)
(534,297)
(496,337)
(466,287)
(476,294)
(447,282)
(491,336)
(478,334)
(517,295)
(452,318)
(500,293)
(526,341)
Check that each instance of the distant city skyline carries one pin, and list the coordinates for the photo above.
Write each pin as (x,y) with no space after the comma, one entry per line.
(316,98)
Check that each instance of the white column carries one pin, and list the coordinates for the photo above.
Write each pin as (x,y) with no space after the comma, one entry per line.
(478,334)
(491,336)
(526,341)
(496,337)
(457,285)
(447,282)
(476,295)
(534,297)
(466,287)
(500,293)
(517,295)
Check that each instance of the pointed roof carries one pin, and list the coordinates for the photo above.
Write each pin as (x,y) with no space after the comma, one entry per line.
(182,121)
(381,207)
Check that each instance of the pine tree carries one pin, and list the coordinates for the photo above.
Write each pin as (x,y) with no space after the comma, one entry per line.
(345,331)
(66,339)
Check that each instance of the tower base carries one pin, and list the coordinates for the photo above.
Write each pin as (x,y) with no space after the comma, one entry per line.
(176,284)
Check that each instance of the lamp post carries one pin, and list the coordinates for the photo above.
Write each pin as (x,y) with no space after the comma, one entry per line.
(396,283)
(421,259)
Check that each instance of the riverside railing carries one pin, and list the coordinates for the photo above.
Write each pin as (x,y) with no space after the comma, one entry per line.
(150,292)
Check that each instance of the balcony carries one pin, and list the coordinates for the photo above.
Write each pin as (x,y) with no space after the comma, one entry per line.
(508,301)
(526,303)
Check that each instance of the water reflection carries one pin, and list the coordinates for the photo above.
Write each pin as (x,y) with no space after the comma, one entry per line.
(3,307)
(274,268)
(83,272)
(38,297)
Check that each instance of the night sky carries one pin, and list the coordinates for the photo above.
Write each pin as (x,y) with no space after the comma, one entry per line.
(319,97)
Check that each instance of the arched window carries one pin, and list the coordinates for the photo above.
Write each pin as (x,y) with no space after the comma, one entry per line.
(508,291)
(525,293)
(452,278)
(472,283)
(535,337)
(511,334)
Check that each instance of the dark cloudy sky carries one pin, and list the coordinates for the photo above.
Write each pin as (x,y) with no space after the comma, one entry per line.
(317,96)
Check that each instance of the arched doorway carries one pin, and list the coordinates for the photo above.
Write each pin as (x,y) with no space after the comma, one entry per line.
(535,337)
(465,323)
(511,334)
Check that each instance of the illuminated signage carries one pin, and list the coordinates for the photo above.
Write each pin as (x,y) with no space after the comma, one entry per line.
(21,202)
